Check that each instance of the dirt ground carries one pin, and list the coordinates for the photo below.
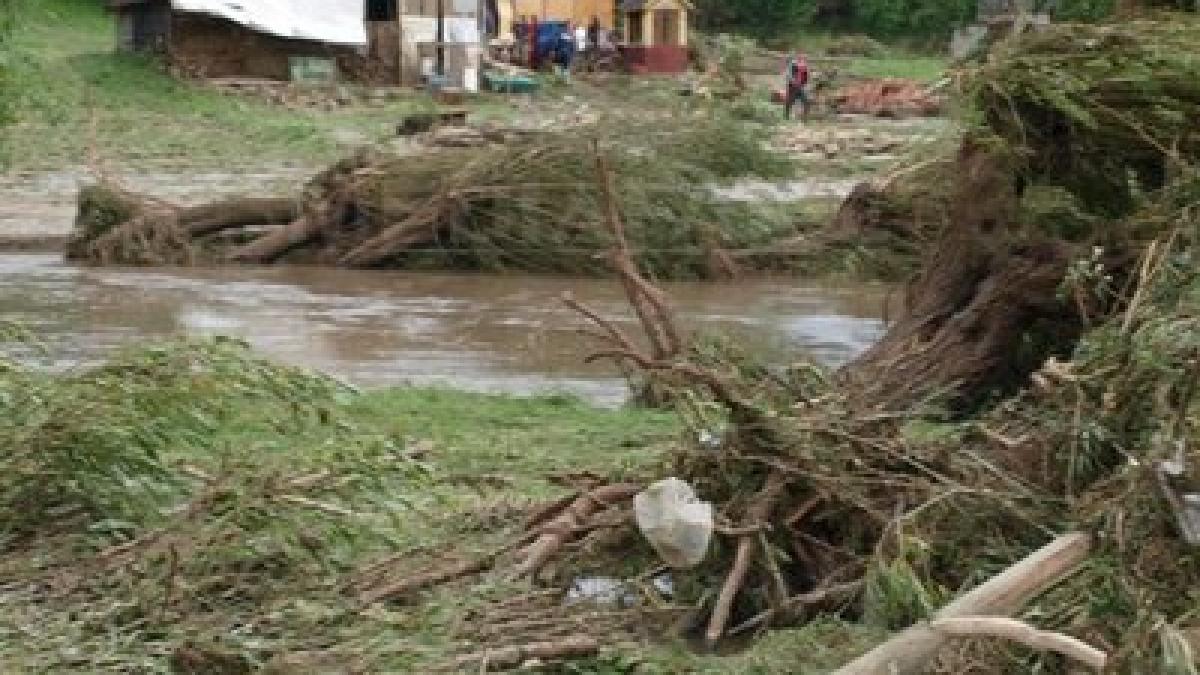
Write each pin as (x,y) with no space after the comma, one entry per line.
(37,209)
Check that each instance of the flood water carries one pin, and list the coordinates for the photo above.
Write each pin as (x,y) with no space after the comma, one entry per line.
(479,332)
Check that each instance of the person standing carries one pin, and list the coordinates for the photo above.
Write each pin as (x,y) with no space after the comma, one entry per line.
(564,52)
(797,86)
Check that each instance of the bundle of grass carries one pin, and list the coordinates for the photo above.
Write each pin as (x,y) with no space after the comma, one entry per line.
(91,443)
(527,206)
(1106,112)
(158,512)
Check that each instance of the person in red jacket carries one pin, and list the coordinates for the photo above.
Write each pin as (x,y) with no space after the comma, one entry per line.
(797,86)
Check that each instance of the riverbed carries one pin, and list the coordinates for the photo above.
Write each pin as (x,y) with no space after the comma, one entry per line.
(492,333)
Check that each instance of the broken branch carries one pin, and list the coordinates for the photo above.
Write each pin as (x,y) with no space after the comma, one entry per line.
(1022,633)
(1005,593)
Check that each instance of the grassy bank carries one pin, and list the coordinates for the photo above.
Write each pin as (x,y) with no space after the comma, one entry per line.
(192,494)
(71,79)
(75,91)
(191,508)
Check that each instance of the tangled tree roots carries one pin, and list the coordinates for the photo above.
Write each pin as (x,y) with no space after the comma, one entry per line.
(115,226)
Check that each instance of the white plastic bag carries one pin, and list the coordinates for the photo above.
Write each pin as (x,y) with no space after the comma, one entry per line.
(674,520)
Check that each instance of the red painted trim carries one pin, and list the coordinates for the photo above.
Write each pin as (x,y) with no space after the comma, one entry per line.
(662,59)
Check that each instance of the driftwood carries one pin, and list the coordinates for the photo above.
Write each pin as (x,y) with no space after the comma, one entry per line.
(910,651)
(144,220)
(425,580)
(1022,633)
(326,216)
(757,515)
(559,531)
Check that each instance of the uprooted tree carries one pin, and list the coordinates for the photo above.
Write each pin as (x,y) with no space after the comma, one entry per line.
(529,204)
(1039,378)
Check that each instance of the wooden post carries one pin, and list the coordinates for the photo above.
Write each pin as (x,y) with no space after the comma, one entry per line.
(909,652)
(441,38)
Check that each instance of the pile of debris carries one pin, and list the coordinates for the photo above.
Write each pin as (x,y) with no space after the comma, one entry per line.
(1028,427)
(305,97)
(832,143)
(887,97)
(1037,385)
(531,206)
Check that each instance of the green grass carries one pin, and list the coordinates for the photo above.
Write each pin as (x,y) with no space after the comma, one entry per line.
(912,66)
(889,60)
(123,453)
(254,499)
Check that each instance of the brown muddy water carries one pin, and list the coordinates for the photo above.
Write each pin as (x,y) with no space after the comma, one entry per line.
(477,332)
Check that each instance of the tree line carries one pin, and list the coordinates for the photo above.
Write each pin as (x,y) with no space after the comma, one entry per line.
(928,20)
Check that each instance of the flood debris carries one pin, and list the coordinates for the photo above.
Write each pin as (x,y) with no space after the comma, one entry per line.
(887,97)
(1012,400)
(675,522)
(529,205)
(986,480)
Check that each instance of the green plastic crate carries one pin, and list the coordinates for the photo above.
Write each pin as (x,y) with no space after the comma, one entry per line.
(313,69)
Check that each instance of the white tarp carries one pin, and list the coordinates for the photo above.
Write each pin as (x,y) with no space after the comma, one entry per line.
(333,21)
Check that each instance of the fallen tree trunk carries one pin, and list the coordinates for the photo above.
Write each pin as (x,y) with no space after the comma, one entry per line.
(241,212)
(302,230)
(417,228)
(910,651)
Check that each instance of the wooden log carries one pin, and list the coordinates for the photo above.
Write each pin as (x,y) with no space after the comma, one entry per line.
(910,651)
(240,212)
(418,228)
(758,514)
(270,247)
(558,531)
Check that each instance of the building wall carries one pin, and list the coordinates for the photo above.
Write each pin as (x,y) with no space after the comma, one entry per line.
(202,46)
(577,11)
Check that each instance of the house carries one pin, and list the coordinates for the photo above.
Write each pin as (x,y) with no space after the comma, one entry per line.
(578,12)
(225,39)
(382,41)
(656,35)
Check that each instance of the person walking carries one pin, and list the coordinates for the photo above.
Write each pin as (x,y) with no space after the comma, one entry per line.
(797,86)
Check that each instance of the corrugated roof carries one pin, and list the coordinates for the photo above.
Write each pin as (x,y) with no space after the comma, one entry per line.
(333,21)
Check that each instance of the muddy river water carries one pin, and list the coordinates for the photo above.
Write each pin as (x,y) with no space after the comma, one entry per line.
(479,332)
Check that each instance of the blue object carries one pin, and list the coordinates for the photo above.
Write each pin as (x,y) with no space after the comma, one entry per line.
(549,36)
